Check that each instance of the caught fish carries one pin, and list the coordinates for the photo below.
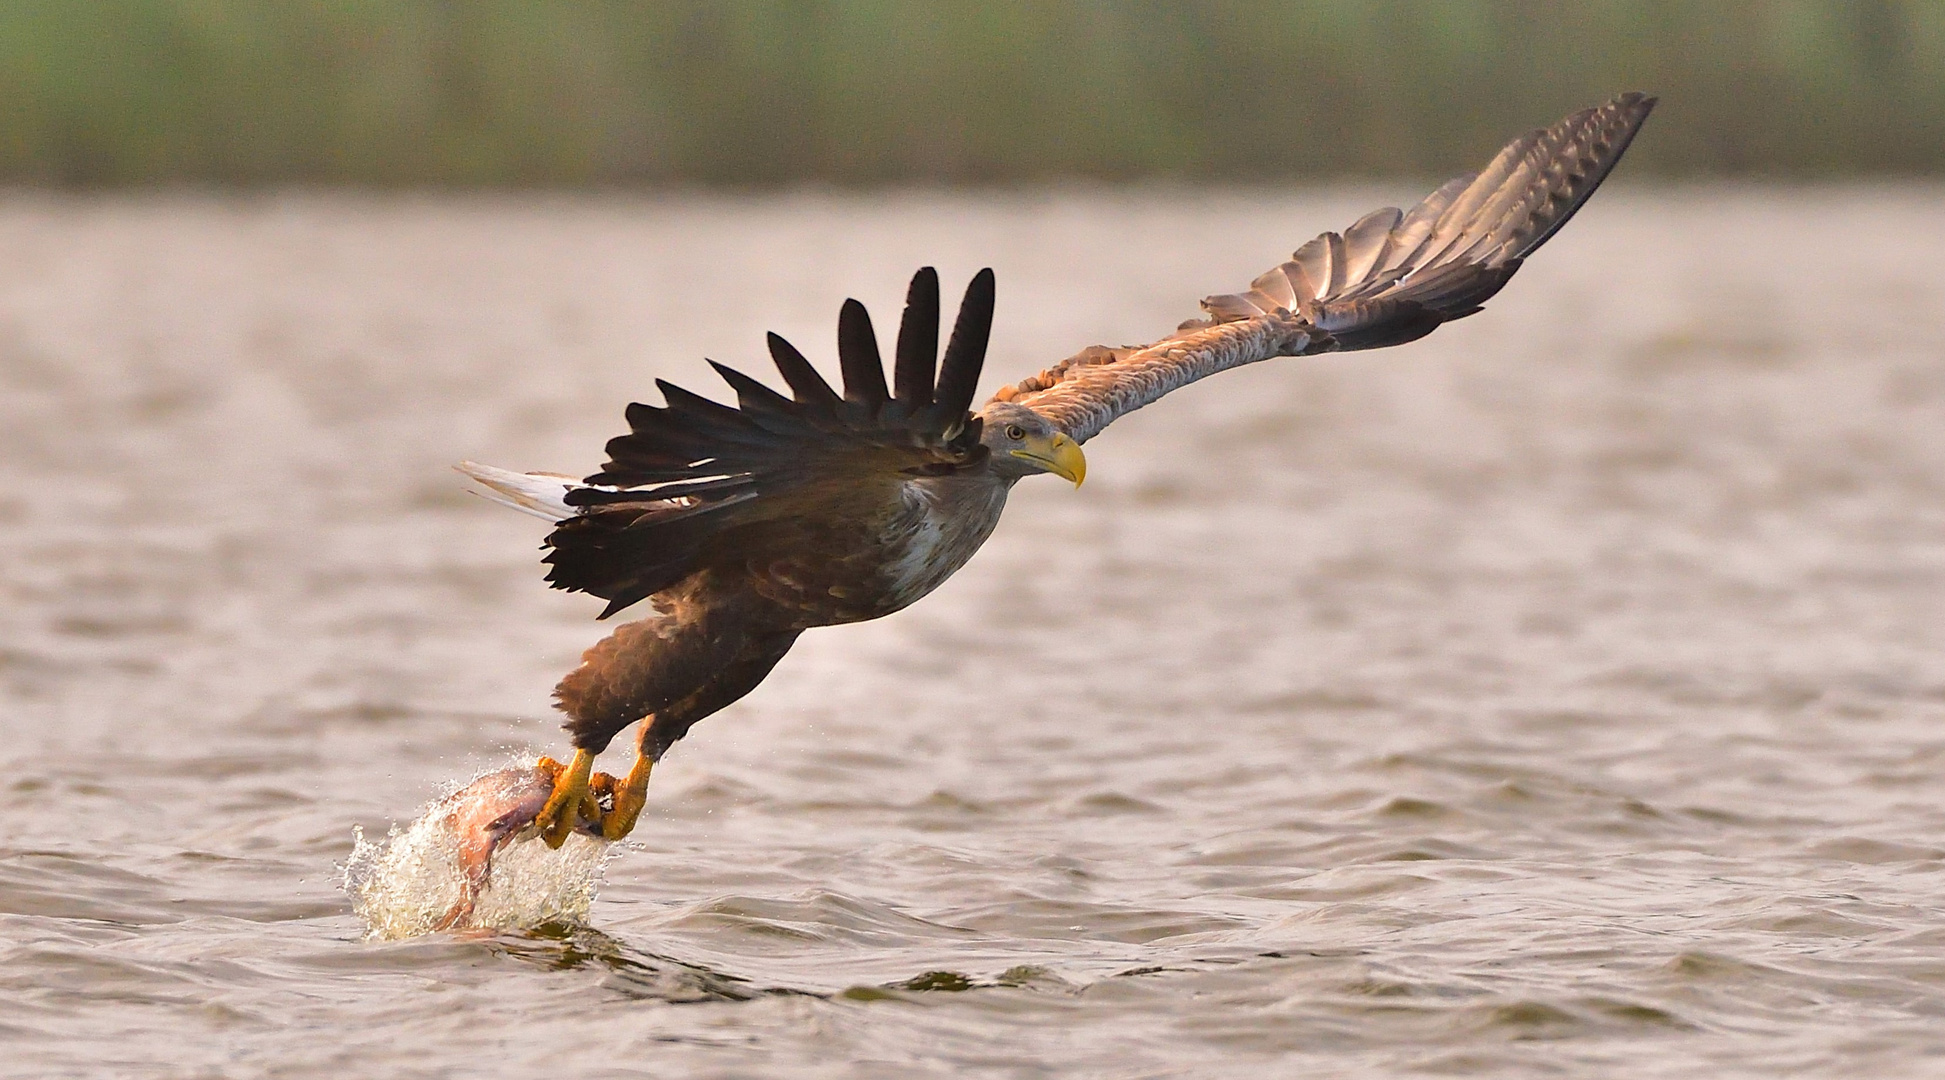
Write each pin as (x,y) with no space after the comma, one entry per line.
(488,814)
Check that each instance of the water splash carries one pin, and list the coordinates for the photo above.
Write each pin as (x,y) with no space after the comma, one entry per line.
(413,880)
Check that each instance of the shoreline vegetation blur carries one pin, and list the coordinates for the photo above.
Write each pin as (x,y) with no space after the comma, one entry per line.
(511,93)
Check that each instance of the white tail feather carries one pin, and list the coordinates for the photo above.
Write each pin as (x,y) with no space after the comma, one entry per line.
(544,495)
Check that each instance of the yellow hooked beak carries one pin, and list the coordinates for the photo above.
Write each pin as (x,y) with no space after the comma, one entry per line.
(1059,455)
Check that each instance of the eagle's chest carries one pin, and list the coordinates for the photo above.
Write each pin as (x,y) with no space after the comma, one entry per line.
(940,524)
(885,559)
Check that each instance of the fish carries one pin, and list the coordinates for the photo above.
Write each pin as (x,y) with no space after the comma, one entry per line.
(487,815)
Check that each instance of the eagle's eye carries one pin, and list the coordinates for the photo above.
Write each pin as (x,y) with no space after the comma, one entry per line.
(1015,432)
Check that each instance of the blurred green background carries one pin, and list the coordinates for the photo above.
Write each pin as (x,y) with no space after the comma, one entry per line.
(534,93)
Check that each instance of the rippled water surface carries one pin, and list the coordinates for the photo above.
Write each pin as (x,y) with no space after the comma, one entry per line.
(1564,693)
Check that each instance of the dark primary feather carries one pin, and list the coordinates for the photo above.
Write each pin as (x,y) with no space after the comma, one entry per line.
(804,381)
(697,483)
(918,341)
(965,353)
(857,354)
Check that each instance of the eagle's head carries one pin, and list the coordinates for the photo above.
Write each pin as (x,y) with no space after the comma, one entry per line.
(1022,443)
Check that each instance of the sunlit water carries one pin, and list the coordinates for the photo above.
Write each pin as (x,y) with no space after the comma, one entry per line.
(1564,693)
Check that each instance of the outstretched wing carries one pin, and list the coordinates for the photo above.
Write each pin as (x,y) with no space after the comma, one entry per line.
(1391,278)
(696,480)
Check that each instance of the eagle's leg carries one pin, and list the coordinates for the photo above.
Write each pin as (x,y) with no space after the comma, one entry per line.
(704,651)
(625,676)
(733,680)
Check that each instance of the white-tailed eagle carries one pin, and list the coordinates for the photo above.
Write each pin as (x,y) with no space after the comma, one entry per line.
(745,526)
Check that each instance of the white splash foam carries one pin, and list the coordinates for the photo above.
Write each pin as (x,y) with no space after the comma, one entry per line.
(406,884)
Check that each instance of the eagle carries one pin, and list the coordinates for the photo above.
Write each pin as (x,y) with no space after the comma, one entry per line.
(744,526)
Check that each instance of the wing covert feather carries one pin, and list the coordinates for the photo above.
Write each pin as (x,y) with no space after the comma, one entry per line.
(1084,393)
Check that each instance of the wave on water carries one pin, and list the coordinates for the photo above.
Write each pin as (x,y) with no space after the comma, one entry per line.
(414,880)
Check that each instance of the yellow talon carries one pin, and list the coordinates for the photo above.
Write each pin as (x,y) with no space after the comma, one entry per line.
(627,800)
(579,793)
(570,800)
